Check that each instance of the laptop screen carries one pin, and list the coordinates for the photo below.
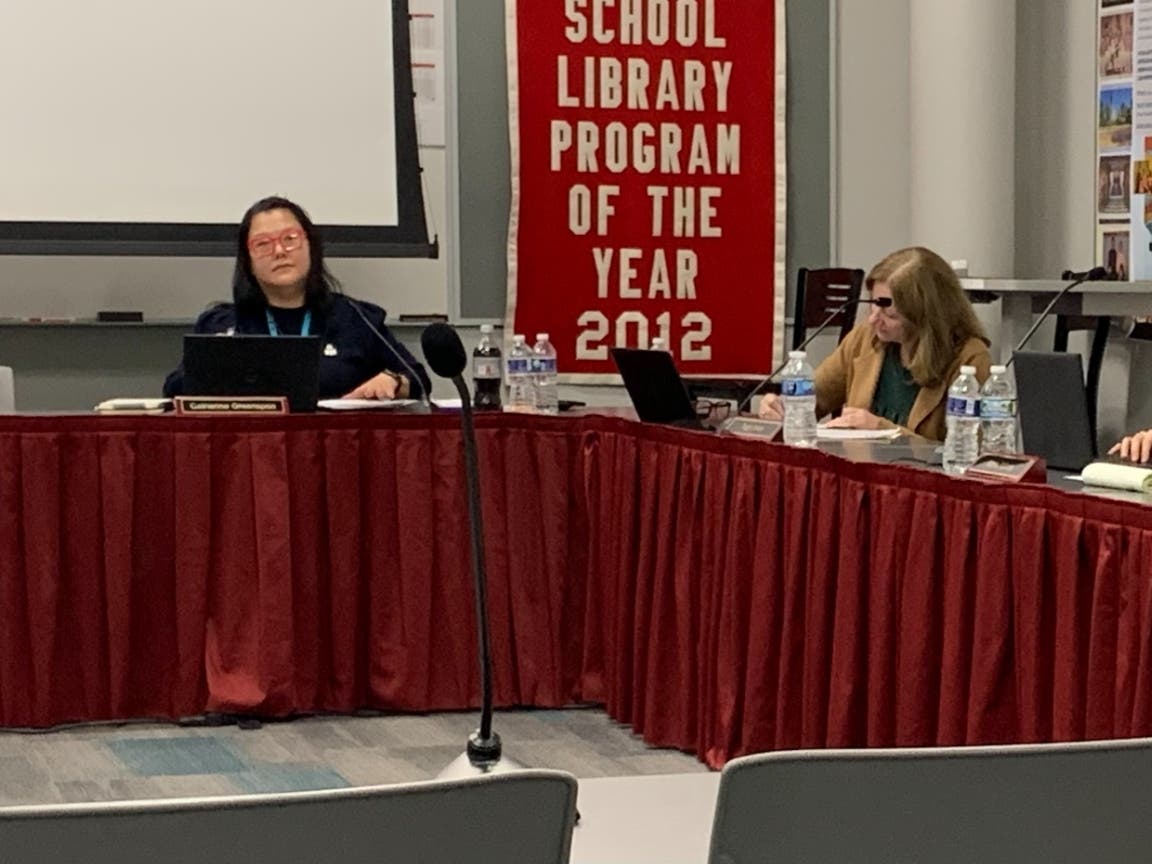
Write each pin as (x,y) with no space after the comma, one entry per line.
(250,365)
(1053,408)
(655,387)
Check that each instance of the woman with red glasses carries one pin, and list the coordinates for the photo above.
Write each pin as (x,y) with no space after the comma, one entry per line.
(282,286)
(894,369)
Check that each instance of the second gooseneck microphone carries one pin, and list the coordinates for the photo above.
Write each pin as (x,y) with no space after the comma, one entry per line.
(1096,274)
(832,316)
(412,376)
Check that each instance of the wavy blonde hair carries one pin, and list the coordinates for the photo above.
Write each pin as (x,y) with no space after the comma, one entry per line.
(939,316)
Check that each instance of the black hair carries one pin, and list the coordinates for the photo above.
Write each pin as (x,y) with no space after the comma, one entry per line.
(319,285)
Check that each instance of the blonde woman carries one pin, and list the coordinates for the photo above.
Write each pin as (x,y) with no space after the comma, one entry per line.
(894,369)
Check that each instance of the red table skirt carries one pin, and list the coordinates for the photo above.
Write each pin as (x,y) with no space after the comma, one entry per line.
(719,595)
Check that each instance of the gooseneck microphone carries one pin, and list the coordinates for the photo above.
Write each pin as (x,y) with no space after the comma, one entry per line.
(446,357)
(1096,274)
(413,378)
(882,302)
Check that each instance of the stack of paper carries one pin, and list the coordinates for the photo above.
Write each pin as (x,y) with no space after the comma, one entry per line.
(824,433)
(364,404)
(134,406)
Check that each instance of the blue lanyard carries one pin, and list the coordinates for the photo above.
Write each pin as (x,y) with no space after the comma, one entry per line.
(273,330)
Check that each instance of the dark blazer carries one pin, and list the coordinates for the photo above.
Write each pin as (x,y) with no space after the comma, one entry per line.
(351,355)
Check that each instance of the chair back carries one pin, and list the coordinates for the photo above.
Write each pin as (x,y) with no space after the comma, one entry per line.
(7,391)
(1024,804)
(1099,328)
(819,293)
(519,816)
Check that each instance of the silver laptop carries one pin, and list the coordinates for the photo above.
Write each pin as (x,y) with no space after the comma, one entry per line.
(1053,409)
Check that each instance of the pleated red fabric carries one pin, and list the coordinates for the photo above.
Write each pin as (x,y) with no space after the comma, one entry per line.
(720,596)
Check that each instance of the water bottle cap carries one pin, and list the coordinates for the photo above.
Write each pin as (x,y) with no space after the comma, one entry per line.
(797,355)
(967,370)
(518,338)
(999,370)
(485,328)
(541,337)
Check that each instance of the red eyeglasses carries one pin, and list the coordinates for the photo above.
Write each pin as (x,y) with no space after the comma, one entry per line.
(263,245)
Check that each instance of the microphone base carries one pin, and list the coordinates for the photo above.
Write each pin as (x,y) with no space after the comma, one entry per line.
(481,757)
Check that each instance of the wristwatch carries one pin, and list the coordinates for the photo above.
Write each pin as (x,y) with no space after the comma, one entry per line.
(398,378)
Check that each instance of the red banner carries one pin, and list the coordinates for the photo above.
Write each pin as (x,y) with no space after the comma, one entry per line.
(648,180)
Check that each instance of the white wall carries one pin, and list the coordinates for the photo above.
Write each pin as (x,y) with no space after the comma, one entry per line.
(1055,84)
(872,198)
(1055,140)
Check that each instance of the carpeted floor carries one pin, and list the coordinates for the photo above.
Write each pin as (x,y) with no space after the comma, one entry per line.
(100,763)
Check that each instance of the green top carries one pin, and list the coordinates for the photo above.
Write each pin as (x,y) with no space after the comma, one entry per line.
(896,390)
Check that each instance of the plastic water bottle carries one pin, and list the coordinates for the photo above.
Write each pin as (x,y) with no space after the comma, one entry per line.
(544,375)
(998,413)
(486,372)
(521,393)
(798,388)
(962,441)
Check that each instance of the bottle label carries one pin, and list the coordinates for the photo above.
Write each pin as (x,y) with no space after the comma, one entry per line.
(797,387)
(997,408)
(485,368)
(963,406)
(544,365)
(519,366)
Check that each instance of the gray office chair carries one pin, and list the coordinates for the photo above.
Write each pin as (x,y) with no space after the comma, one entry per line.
(497,819)
(1019,804)
(1099,327)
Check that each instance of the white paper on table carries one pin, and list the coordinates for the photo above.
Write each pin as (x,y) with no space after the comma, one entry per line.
(823,433)
(1113,475)
(134,405)
(364,404)
(448,403)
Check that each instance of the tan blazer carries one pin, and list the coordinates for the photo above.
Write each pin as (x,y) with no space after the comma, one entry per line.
(849,377)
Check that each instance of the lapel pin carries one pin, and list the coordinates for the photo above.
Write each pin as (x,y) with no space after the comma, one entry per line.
(329,350)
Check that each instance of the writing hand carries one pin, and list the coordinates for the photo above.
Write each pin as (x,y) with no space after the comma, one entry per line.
(771,408)
(382,386)
(857,418)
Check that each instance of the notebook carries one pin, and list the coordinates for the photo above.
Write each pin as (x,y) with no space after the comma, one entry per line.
(251,365)
(1053,409)
(1112,475)
(655,387)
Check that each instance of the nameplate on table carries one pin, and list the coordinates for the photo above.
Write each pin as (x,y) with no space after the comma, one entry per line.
(200,406)
(751,427)
(1009,468)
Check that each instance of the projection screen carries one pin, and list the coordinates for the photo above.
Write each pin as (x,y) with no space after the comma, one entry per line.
(147,127)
